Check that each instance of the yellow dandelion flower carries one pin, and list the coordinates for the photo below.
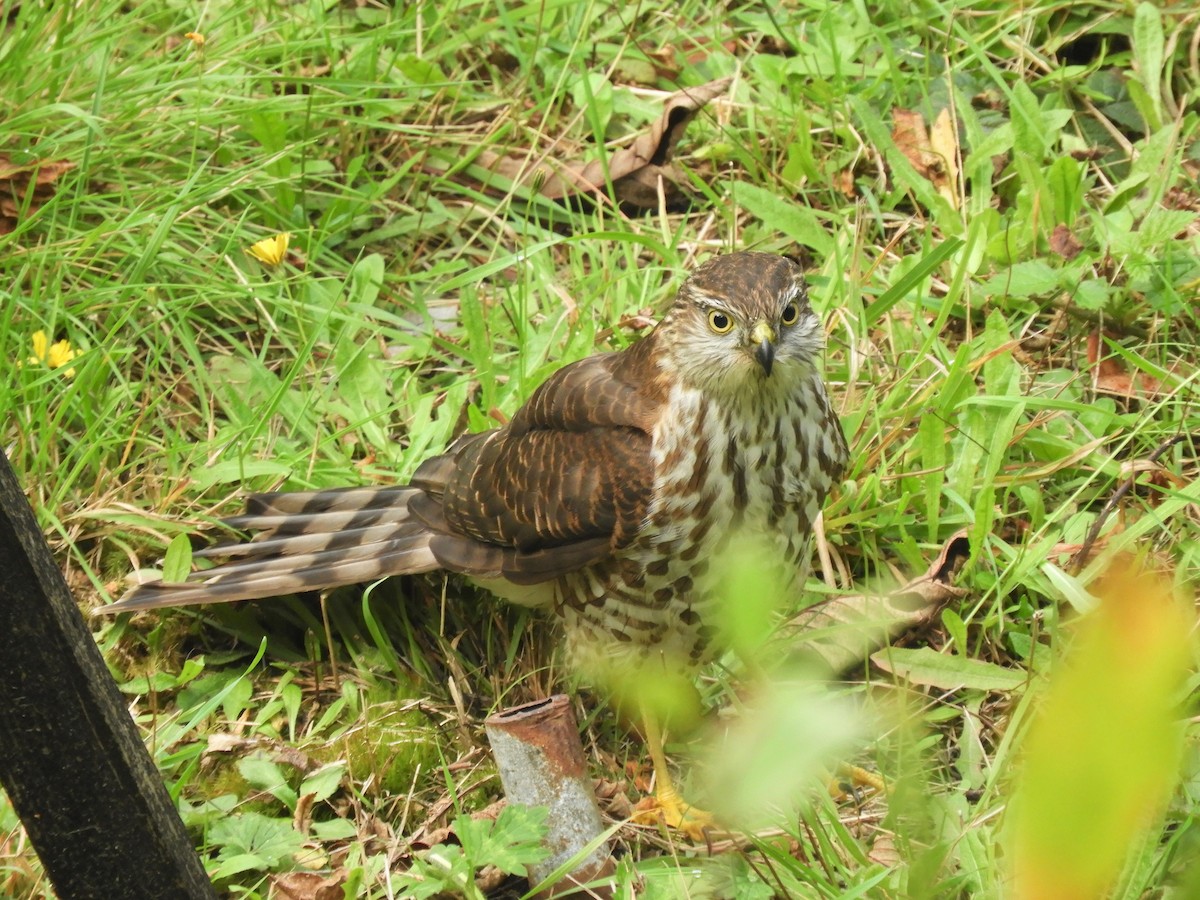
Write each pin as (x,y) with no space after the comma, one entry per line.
(270,251)
(196,38)
(54,355)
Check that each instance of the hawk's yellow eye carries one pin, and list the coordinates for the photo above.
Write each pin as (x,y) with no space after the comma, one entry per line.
(791,314)
(719,322)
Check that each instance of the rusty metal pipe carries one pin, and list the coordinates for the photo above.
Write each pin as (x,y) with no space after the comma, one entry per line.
(541,763)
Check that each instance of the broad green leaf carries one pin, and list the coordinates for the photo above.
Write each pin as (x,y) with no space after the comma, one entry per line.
(510,843)
(177,562)
(236,698)
(1091,293)
(956,628)
(1065,181)
(798,222)
(324,782)
(943,671)
(593,93)
(1029,132)
(366,278)
(420,70)
(1148,44)
(266,775)
(1032,278)
(235,471)
(1070,588)
(253,841)
(292,697)
(334,830)
(1162,225)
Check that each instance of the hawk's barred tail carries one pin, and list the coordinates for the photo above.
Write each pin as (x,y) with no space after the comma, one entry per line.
(301,542)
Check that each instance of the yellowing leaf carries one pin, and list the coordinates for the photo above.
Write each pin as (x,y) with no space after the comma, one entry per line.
(270,251)
(943,141)
(1103,753)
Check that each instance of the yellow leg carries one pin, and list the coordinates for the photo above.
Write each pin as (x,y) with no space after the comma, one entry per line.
(668,806)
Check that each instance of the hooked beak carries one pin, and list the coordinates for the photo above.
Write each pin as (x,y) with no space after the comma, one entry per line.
(762,336)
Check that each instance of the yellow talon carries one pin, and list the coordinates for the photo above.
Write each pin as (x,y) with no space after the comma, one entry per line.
(850,779)
(667,806)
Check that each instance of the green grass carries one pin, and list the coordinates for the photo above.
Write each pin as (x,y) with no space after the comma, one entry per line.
(419,302)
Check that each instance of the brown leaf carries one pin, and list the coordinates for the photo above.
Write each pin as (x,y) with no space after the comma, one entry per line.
(308,886)
(431,838)
(613,800)
(934,155)
(884,853)
(223,742)
(911,137)
(844,182)
(1064,243)
(302,816)
(1110,375)
(489,879)
(640,172)
(842,631)
(16,182)
(639,775)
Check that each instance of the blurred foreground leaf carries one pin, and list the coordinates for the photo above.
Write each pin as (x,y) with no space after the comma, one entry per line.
(1103,755)
(787,739)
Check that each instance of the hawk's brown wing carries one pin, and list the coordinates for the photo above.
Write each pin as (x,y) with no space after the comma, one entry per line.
(563,484)
(559,487)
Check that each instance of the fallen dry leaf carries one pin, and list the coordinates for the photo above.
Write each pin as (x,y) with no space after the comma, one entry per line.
(844,181)
(16,182)
(1064,243)
(638,172)
(1111,376)
(308,886)
(490,879)
(843,631)
(277,750)
(640,775)
(911,137)
(1179,197)
(934,156)
(612,799)
(884,853)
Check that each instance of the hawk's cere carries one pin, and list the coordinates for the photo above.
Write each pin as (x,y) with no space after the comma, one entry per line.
(610,495)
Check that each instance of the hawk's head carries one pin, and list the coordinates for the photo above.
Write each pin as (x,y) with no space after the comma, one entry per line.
(742,322)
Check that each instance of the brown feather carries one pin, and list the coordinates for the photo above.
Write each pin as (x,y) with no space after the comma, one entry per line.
(559,487)
(612,487)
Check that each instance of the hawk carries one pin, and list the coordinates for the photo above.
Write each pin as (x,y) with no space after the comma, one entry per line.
(609,497)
